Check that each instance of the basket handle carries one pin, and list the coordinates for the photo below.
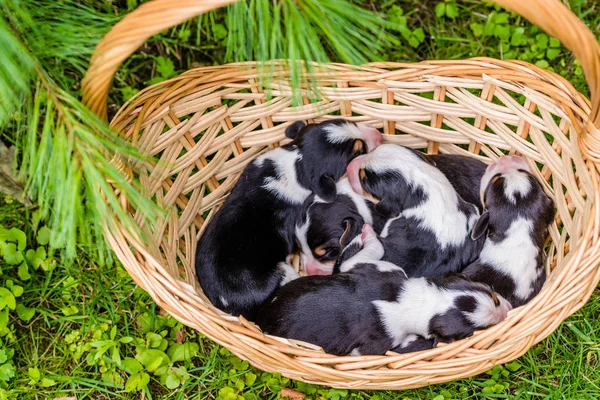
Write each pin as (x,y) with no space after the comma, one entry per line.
(127,36)
(155,16)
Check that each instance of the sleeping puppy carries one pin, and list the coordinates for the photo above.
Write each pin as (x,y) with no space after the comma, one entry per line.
(242,256)
(326,228)
(372,307)
(428,231)
(321,226)
(515,222)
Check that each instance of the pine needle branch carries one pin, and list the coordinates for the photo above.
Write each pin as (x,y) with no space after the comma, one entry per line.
(307,30)
(66,151)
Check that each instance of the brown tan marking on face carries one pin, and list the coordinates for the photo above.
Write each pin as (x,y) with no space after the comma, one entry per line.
(495,299)
(362,176)
(320,252)
(358,146)
(369,196)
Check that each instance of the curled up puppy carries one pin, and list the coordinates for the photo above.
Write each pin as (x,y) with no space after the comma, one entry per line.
(371,307)
(428,231)
(322,224)
(515,225)
(325,228)
(242,257)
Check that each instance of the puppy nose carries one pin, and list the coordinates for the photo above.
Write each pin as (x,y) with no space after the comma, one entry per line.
(377,138)
(512,162)
(519,162)
(372,136)
(505,307)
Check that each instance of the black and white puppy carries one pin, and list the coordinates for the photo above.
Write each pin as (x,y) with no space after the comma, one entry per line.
(372,307)
(323,224)
(242,257)
(515,222)
(429,226)
(325,228)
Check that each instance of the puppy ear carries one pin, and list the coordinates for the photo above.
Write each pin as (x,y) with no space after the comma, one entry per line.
(548,210)
(481,226)
(292,130)
(388,208)
(325,188)
(352,228)
(450,326)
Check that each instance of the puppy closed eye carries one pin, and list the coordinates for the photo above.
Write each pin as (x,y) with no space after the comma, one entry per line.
(326,253)
(362,174)
(359,147)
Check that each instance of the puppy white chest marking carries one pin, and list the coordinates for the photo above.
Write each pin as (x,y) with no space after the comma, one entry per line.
(285,185)
(515,256)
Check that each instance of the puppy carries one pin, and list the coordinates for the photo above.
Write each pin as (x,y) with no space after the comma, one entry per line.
(326,228)
(515,221)
(428,231)
(242,256)
(322,225)
(372,307)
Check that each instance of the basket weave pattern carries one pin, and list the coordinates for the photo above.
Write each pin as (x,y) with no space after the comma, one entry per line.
(206,125)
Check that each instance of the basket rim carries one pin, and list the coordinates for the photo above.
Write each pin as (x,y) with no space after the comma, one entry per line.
(438,67)
(131,251)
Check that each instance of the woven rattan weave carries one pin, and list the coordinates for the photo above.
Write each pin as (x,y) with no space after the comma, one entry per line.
(204,126)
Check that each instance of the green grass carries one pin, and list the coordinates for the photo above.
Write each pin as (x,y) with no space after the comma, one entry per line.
(89,321)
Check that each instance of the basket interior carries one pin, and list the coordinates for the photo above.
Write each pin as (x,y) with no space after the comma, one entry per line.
(204,126)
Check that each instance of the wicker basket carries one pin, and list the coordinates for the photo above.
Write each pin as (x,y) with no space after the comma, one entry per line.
(207,124)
